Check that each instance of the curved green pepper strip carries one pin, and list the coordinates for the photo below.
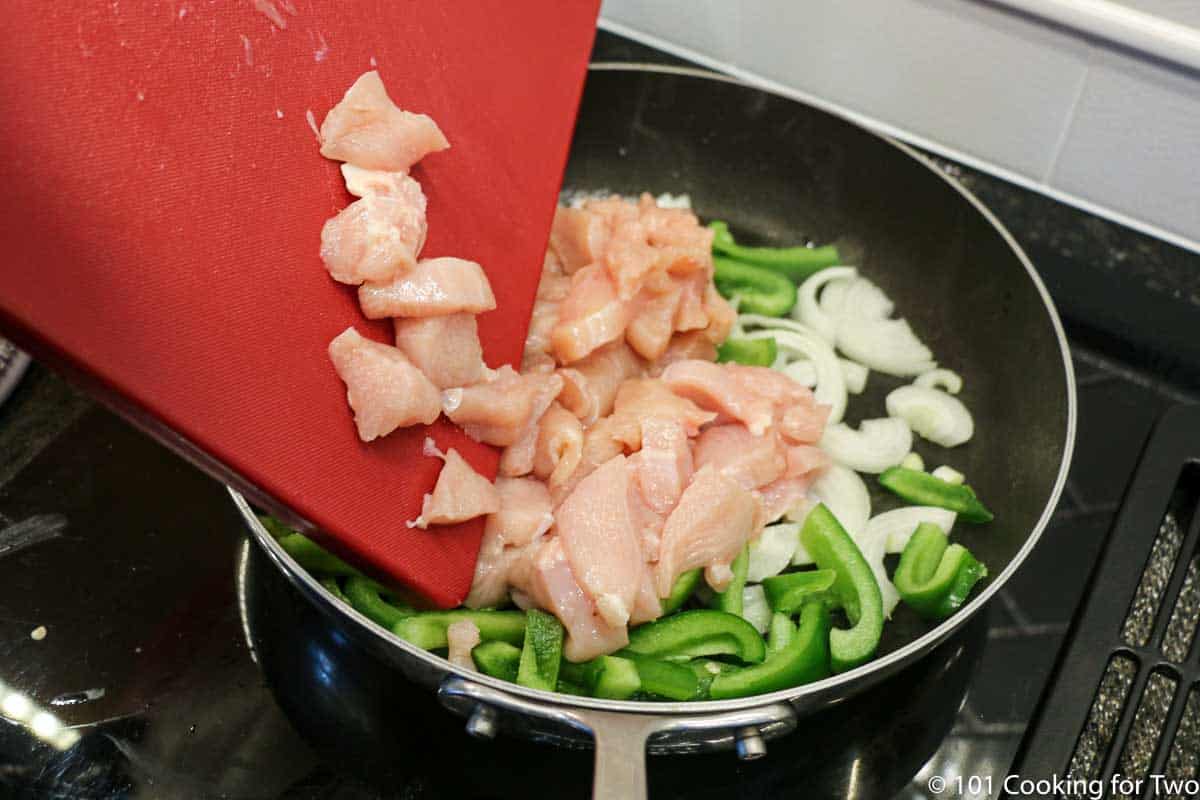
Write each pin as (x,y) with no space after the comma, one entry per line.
(541,655)
(613,678)
(497,659)
(373,601)
(665,679)
(797,263)
(780,632)
(761,290)
(731,600)
(935,579)
(751,352)
(685,584)
(334,588)
(923,489)
(805,658)
(854,588)
(427,629)
(702,632)
(313,557)
(787,593)
(274,527)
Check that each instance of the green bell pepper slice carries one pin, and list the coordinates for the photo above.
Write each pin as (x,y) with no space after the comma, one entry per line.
(427,629)
(855,588)
(761,290)
(923,489)
(702,632)
(787,593)
(934,578)
(613,678)
(497,659)
(541,655)
(375,601)
(314,558)
(334,588)
(797,263)
(805,658)
(665,679)
(685,584)
(780,632)
(751,352)
(731,600)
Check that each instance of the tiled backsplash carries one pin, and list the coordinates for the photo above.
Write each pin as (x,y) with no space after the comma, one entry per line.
(1105,127)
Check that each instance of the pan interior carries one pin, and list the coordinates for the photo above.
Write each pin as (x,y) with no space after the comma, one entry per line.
(782,173)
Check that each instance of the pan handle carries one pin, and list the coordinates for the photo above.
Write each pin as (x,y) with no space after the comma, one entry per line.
(621,738)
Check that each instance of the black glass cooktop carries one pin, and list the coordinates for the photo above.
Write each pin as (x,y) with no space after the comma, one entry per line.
(128,626)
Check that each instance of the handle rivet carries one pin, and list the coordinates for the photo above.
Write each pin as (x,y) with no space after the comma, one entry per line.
(482,723)
(750,744)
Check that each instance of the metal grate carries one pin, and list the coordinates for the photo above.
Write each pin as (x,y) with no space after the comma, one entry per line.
(1125,697)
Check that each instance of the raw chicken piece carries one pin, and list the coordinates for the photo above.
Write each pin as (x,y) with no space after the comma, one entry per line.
(500,410)
(629,258)
(804,423)
(525,512)
(611,436)
(460,493)
(690,314)
(649,332)
(559,446)
(378,237)
(751,461)
(714,518)
(549,581)
(385,390)
(600,541)
(664,463)
(517,458)
(368,130)
(554,284)
(647,606)
(536,356)
(804,465)
(638,398)
(711,387)
(434,287)
(679,230)
(693,345)
(591,316)
(577,237)
(362,182)
(445,348)
(524,517)
(462,637)
(721,315)
(590,385)
(798,416)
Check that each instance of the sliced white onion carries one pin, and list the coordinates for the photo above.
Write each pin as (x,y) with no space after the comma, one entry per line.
(802,372)
(863,298)
(755,608)
(845,494)
(875,446)
(940,379)
(873,551)
(831,386)
(933,414)
(772,551)
(913,461)
(833,299)
(809,312)
(798,514)
(950,475)
(773,323)
(886,345)
(855,375)
(894,528)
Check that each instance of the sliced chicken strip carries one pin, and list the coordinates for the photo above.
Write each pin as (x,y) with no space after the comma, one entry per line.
(578,237)
(517,458)
(600,540)
(640,398)
(590,317)
(383,387)
(710,387)
(752,461)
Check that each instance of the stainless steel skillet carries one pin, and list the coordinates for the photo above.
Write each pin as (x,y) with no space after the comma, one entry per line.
(785,171)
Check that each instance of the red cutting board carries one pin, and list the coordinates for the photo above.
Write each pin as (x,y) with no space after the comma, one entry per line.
(163,202)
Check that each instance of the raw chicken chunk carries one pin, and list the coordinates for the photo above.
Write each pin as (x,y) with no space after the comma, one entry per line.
(524,517)
(378,237)
(367,130)
(710,387)
(559,446)
(382,386)
(693,345)
(460,493)
(499,411)
(752,461)
(445,348)
(644,397)
(664,463)
(714,519)
(434,287)
(517,458)
(590,386)
(578,237)
(591,316)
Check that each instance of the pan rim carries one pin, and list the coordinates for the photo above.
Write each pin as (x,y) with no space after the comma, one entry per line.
(896,658)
